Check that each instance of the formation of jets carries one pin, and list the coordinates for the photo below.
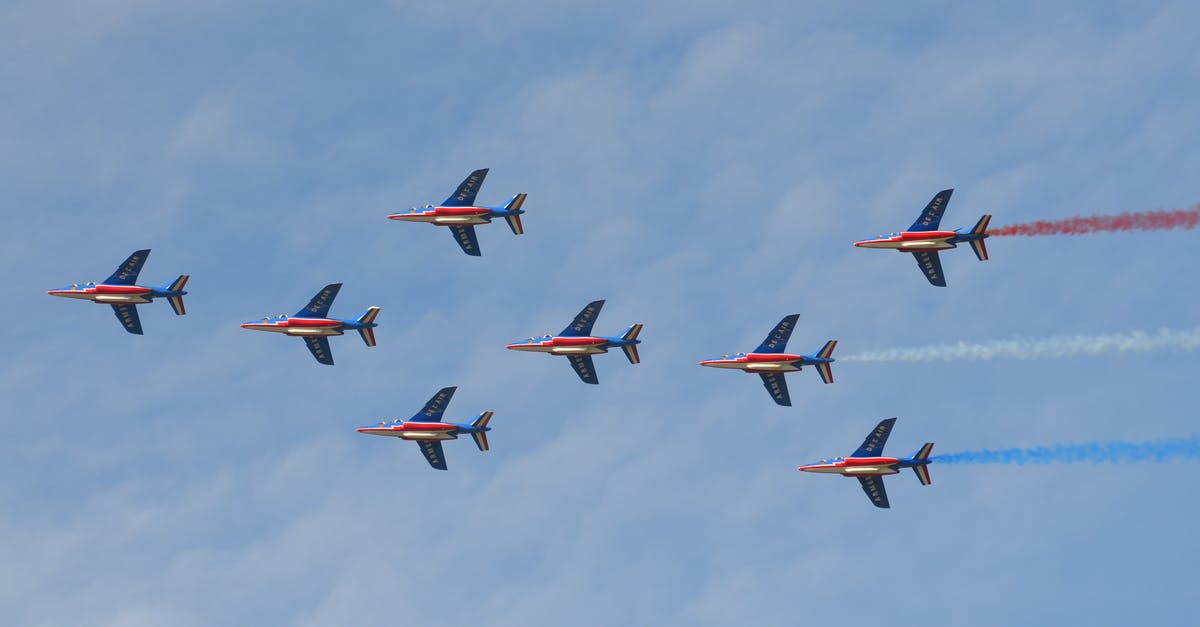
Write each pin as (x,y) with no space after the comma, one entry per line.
(576,342)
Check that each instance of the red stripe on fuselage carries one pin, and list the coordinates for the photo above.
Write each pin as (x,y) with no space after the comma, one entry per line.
(309,323)
(755,358)
(868,461)
(120,289)
(574,341)
(458,211)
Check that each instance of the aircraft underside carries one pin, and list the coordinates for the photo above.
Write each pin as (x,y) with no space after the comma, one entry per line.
(577,350)
(110,299)
(778,366)
(426,435)
(303,332)
(858,471)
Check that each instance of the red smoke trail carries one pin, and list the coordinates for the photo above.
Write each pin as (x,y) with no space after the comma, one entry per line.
(1161,220)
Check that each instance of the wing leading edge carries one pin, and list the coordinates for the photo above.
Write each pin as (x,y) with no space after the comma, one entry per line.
(128,316)
(319,347)
(432,450)
(584,368)
(433,410)
(873,487)
(467,239)
(777,386)
(931,217)
(777,339)
(584,320)
(931,266)
(464,196)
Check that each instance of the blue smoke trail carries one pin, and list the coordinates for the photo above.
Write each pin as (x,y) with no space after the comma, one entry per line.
(1094,453)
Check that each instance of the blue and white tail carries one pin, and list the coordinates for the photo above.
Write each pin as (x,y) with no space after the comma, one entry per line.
(480,436)
(368,318)
(514,220)
(176,298)
(977,245)
(823,368)
(630,335)
(923,470)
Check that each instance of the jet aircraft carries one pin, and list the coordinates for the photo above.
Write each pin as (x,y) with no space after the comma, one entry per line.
(462,215)
(868,465)
(924,240)
(770,361)
(578,344)
(119,291)
(427,429)
(314,324)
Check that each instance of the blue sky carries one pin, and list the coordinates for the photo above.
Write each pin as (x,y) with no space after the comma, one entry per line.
(702,166)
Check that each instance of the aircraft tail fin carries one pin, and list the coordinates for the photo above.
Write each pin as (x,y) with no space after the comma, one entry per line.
(480,437)
(824,369)
(176,300)
(514,220)
(368,317)
(923,470)
(631,350)
(978,245)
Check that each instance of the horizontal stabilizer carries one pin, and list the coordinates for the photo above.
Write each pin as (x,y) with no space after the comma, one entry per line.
(514,221)
(923,470)
(368,317)
(176,299)
(978,245)
(923,474)
(480,437)
(826,372)
(631,350)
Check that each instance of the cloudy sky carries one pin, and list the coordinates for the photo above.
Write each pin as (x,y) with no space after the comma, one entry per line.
(704,167)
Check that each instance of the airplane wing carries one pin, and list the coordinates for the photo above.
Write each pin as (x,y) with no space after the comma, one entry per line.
(584,368)
(128,316)
(464,196)
(318,307)
(319,347)
(582,324)
(873,445)
(931,217)
(931,264)
(127,273)
(432,449)
(433,410)
(873,486)
(777,386)
(777,339)
(465,236)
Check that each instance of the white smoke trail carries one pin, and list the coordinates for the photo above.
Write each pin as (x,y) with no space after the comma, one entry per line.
(1058,346)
